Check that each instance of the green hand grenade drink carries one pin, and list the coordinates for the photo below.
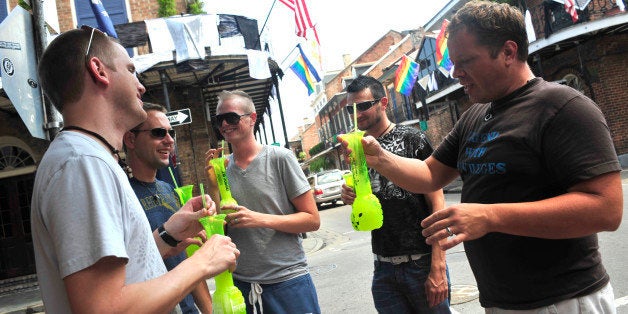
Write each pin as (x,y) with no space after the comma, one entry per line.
(366,212)
(223,182)
(227,299)
(184,193)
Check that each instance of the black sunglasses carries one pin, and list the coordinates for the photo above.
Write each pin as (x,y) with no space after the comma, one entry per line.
(231,117)
(158,132)
(363,106)
(91,36)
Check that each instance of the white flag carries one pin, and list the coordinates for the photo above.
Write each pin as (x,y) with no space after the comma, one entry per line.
(258,64)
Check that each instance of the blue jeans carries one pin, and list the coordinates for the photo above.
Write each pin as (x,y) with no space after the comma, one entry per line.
(401,288)
(296,295)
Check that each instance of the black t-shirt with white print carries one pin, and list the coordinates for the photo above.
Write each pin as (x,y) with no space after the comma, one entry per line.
(403,211)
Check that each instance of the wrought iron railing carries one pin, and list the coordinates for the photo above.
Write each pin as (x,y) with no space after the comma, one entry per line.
(550,16)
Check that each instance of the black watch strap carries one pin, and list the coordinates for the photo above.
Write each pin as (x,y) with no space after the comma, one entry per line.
(163,234)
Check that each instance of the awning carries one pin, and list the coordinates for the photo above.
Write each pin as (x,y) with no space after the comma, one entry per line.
(213,74)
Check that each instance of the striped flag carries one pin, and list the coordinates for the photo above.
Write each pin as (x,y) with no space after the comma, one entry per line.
(570,7)
(442,52)
(104,22)
(301,17)
(406,75)
(305,71)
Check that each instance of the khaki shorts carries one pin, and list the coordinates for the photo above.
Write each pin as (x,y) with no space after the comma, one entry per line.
(601,301)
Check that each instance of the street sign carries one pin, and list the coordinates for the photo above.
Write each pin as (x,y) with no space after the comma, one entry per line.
(179,117)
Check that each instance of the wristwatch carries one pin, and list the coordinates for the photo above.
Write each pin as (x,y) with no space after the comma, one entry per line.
(163,234)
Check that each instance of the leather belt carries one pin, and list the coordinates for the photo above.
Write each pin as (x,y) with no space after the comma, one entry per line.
(396,260)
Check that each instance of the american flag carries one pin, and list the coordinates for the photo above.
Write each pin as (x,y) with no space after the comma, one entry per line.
(301,17)
(570,7)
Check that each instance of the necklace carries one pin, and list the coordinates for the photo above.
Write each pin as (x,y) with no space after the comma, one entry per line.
(114,151)
(385,130)
(151,187)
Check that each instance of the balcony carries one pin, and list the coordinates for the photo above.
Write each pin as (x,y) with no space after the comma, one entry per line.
(550,16)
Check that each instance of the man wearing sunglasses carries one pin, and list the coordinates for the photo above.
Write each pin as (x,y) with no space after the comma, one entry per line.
(148,148)
(276,205)
(398,246)
(94,249)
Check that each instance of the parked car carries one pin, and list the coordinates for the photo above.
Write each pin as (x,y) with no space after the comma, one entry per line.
(327,186)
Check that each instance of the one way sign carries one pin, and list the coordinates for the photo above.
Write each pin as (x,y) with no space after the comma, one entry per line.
(179,117)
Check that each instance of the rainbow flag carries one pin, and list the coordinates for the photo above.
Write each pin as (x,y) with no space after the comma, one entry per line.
(406,75)
(305,71)
(442,52)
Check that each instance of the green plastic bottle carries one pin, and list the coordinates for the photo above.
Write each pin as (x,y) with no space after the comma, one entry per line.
(223,182)
(184,193)
(366,211)
(227,299)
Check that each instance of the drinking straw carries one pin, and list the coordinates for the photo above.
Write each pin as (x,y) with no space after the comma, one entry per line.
(202,194)
(222,143)
(355,117)
(176,186)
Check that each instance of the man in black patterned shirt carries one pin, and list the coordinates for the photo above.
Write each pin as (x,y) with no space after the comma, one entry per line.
(398,245)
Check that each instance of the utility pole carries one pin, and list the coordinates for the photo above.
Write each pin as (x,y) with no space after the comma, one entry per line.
(52,121)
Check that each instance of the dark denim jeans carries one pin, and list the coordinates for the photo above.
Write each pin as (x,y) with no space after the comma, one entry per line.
(296,295)
(401,288)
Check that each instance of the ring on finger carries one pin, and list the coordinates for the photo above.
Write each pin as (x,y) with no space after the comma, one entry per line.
(235,220)
(451,234)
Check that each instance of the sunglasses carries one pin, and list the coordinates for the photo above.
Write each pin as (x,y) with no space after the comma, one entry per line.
(231,117)
(91,37)
(159,133)
(363,106)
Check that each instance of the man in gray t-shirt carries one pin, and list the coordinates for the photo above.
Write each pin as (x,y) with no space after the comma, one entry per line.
(94,249)
(275,206)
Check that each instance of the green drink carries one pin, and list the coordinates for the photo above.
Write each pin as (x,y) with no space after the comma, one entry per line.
(223,182)
(366,211)
(227,298)
(348,179)
(184,193)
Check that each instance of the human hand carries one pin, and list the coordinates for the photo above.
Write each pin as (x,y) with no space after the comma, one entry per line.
(217,254)
(456,224)
(372,150)
(347,195)
(241,217)
(436,288)
(184,223)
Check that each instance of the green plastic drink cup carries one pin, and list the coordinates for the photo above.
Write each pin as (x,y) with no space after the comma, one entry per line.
(227,298)
(348,179)
(223,182)
(184,193)
(189,251)
(366,211)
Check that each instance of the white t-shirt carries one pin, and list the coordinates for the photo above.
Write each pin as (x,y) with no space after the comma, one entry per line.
(83,209)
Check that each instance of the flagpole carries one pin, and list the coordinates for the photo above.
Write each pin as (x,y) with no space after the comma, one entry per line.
(259,37)
(288,55)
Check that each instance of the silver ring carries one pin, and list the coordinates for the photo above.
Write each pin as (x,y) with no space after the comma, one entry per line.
(235,220)
(451,234)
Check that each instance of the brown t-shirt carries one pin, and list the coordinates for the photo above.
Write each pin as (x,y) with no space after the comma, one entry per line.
(532,145)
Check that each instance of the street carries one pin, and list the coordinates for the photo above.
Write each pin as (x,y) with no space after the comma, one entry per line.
(342,267)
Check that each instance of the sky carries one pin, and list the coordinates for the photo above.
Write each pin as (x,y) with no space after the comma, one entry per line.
(344,27)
